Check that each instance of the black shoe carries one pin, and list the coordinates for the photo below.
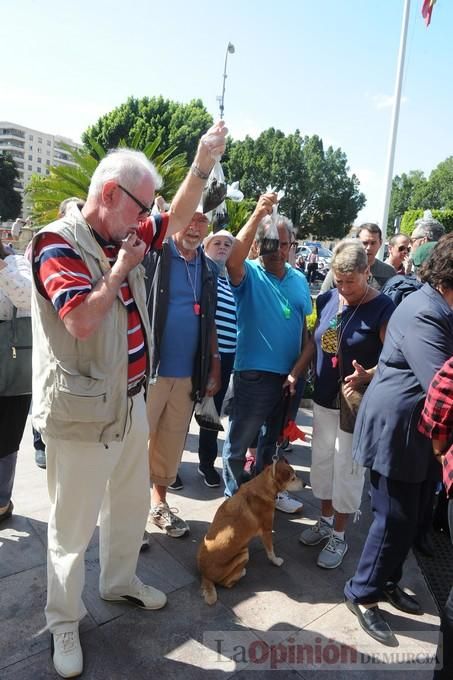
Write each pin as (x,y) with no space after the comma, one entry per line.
(401,600)
(424,545)
(40,458)
(373,623)
(211,476)
(8,512)
(177,484)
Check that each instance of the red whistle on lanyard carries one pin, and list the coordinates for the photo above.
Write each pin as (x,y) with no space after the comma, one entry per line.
(196,309)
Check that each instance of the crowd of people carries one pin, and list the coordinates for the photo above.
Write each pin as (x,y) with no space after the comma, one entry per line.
(140,314)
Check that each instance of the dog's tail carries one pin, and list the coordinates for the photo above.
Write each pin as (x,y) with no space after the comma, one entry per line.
(208,590)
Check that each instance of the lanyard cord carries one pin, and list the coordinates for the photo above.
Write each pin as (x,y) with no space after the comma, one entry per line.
(189,278)
(280,296)
(343,328)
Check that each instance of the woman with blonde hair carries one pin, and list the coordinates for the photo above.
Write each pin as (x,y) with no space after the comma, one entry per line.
(350,329)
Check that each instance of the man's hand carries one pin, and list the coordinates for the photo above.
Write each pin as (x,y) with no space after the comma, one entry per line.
(290,384)
(265,205)
(356,380)
(214,379)
(211,147)
(131,253)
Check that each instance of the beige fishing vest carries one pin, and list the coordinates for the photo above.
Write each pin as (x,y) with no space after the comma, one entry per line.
(80,386)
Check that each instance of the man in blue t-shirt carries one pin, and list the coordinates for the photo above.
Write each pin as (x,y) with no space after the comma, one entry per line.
(272,300)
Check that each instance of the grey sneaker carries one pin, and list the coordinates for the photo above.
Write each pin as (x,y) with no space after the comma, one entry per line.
(331,556)
(166,519)
(317,533)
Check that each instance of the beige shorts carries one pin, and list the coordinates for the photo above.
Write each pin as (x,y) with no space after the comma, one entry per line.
(169,407)
(334,475)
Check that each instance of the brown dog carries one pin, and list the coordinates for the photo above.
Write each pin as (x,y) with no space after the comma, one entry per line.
(223,554)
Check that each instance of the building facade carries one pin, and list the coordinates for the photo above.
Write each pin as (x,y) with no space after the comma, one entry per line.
(33,151)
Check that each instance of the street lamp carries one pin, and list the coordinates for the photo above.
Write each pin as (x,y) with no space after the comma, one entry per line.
(221,100)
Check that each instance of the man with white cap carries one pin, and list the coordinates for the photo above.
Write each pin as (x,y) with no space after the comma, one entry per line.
(185,366)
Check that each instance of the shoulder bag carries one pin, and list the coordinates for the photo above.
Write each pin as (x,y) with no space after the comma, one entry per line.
(15,356)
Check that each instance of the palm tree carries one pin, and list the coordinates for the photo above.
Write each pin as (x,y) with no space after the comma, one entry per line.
(44,194)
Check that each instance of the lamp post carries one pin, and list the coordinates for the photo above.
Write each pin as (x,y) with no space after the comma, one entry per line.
(221,100)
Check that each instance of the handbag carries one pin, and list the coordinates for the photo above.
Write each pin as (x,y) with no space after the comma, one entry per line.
(15,356)
(349,407)
(349,404)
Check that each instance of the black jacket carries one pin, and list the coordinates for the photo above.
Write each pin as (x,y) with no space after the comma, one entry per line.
(160,262)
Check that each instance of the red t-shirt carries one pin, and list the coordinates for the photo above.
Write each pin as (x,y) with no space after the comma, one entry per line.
(64,279)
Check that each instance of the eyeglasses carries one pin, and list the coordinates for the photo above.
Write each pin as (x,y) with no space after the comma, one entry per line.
(144,210)
(402,248)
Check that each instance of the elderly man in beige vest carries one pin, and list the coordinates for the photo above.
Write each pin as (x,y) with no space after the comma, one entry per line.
(91,343)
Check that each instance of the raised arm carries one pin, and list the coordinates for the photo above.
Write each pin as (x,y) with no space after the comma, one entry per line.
(188,196)
(246,236)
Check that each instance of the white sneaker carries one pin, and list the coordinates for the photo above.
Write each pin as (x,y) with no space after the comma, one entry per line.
(67,653)
(139,594)
(286,503)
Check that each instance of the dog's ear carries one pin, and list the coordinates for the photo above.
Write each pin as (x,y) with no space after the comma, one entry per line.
(283,472)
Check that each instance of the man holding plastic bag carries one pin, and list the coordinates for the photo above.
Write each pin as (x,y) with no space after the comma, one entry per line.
(272,300)
(186,362)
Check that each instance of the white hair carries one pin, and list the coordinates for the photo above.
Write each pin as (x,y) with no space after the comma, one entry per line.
(125,166)
(281,220)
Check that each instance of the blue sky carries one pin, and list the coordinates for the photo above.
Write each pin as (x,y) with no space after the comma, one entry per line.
(326,67)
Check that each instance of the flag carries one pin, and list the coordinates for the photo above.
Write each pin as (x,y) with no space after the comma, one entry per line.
(427,10)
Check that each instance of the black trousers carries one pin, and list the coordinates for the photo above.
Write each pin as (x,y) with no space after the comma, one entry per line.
(396,508)
(207,442)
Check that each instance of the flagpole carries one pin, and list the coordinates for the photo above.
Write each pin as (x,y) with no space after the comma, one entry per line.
(394,124)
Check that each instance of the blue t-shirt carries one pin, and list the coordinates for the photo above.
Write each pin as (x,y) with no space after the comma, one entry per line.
(358,328)
(182,328)
(270,315)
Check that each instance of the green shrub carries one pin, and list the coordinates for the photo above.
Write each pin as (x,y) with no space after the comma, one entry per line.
(410,216)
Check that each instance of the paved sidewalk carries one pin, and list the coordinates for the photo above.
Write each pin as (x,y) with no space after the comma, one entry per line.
(298,603)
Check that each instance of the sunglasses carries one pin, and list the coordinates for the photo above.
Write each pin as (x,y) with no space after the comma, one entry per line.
(144,210)
(403,248)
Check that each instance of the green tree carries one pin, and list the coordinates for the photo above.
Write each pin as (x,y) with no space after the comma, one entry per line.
(44,194)
(403,189)
(320,196)
(142,121)
(440,194)
(10,199)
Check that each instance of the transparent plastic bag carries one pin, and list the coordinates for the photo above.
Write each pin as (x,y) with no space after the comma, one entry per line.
(271,242)
(219,219)
(206,415)
(234,193)
(215,190)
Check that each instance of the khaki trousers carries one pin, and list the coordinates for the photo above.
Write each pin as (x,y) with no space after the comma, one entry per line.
(86,480)
(170,409)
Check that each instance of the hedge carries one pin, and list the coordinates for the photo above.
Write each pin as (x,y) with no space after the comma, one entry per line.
(410,216)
